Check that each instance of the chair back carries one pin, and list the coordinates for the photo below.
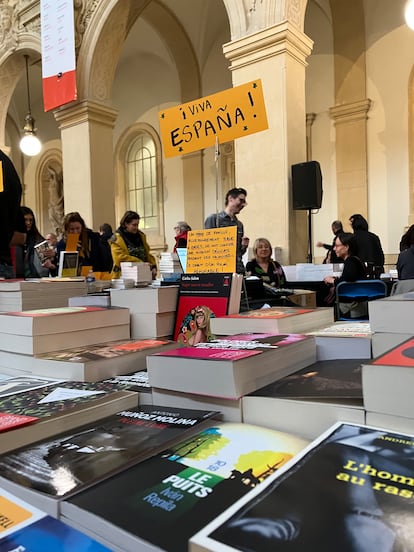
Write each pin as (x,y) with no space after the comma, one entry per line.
(359,292)
(402,286)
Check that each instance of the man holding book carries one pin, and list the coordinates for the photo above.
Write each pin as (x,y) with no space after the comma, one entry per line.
(235,201)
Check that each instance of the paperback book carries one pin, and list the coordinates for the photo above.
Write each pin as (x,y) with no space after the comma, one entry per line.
(201,297)
(60,407)
(25,528)
(274,319)
(351,489)
(388,381)
(343,340)
(231,367)
(392,314)
(99,361)
(55,468)
(22,384)
(177,492)
(310,400)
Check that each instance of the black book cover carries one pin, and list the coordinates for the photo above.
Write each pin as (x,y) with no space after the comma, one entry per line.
(76,459)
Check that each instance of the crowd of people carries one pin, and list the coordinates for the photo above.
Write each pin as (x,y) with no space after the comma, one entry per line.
(360,251)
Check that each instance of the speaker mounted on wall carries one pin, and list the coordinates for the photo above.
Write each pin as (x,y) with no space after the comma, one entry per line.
(307,185)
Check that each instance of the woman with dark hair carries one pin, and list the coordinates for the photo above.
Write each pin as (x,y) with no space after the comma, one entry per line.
(405,262)
(346,249)
(369,246)
(89,247)
(130,244)
(354,269)
(31,264)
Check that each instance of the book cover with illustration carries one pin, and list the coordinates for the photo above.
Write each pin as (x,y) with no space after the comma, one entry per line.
(177,492)
(72,461)
(60,407)
(200,298)
(22,384)
(25,528)
(403,355)
(351,489)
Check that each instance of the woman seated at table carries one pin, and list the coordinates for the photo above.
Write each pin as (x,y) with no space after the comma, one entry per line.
(263,266)
(354,269)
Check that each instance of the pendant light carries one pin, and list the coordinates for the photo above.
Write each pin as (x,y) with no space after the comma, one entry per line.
(409,14)
(30,143)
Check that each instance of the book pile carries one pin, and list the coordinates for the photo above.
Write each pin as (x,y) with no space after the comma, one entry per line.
(343,340)
(152,310)
(226,369)
(123,283)
(169,263)
(20,295)
(139,272)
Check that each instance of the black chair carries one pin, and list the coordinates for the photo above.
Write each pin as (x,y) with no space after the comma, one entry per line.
(354,297)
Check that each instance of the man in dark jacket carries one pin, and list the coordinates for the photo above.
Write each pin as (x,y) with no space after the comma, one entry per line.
(11,219)
(368,245)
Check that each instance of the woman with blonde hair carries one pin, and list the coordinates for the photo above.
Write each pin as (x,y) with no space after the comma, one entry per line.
(263,266)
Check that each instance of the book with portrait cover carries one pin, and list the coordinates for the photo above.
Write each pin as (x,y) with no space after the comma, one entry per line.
(99,361)
(232,366)
(178,491)
(273,319)
(201,297)
(351,489)
(60,407)
(388,381)
(26,528)
(48,471)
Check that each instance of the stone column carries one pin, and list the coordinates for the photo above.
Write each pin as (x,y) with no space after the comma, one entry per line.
(88,166)
(277,56)
(351,157)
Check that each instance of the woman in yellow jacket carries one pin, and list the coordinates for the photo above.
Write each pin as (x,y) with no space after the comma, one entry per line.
(130,244)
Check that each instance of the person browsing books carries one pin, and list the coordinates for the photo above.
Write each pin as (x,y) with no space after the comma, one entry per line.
(235,201)
(32,266)
(130,244)
(89,248)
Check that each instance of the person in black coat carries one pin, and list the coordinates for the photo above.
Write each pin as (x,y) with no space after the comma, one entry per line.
(368,245)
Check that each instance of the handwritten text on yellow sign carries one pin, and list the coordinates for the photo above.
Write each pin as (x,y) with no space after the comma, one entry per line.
(226,115)
(212,250)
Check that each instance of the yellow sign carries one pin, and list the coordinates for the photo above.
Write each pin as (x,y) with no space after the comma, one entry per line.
(11,514)
(227,115)
(212,250)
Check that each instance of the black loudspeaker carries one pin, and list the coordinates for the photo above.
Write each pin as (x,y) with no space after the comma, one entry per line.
(307,185)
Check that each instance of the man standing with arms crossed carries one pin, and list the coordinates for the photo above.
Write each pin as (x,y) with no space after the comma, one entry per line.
(12,229)
(235,201)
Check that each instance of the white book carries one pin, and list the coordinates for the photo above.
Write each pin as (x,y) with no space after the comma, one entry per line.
(146,300)
(343,340)
(273,320)
(230,367)
(230,409)
(388,421)
(388,381)
(147,325)
(384,341)
(394,314)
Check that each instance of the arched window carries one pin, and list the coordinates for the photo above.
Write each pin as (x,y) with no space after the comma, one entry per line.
(142,189)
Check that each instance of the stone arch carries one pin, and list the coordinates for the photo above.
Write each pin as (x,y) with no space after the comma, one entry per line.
(104,39)
(253,15)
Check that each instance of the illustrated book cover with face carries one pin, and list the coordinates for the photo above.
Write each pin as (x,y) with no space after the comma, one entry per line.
(352,489)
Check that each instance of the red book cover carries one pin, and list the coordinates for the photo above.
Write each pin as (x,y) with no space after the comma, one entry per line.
(200,297)
(10,421)
(209,353)
(403,355)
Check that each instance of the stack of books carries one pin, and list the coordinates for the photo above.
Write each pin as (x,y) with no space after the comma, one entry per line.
(36,293)
(139,272)
(170,264)
(152,310)
(218,373)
